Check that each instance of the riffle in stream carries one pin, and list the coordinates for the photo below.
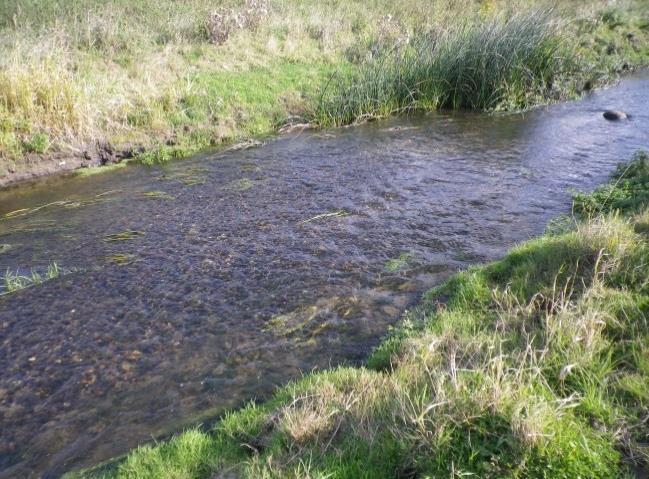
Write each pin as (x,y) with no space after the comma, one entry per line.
(190,288)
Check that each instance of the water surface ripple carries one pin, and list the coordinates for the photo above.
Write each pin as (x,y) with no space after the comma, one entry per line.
(250,267)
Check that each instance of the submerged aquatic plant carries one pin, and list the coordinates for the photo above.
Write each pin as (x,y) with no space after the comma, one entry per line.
(14,281)
(120,259)
(242,184)
(68,204)
(400,263)
(193,181)
(293,321)
(191,177)
(123,236)
(156,195)
(333,214)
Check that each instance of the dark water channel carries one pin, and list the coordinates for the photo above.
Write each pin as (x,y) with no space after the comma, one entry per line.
(247,268)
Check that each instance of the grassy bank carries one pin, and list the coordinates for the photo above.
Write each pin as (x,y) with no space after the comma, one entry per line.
(508,59)
(91,82)
(535,366)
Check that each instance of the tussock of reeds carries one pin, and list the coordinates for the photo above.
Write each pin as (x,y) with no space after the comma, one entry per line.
(477,64)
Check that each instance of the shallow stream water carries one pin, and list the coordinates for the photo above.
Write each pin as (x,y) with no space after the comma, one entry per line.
(245,269)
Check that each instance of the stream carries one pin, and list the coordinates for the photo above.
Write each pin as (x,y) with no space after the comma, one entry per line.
(190,288)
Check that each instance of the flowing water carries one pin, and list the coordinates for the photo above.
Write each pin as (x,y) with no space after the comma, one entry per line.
(243,269)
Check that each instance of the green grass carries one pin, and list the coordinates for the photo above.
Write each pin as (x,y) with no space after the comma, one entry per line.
(14,281)
(477,64)
(507,61)
(38,143)
(535,366)
(628,192)
(150,75)
(229,106)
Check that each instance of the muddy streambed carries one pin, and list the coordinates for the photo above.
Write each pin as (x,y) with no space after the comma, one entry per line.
(193,287)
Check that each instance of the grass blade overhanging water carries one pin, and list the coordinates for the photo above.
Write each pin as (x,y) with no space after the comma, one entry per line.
(15,281)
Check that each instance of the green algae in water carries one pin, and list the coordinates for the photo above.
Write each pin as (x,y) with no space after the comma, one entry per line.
(121,259)
(292,322)
(399,263)
(108,193)
(34,226)
(243,184)
(348,307)
(29,211)
(156,195)
(193,181)
(15,213)
(245,145)
(314,319)
(187,179)
(250,168)
(198,169)
(96,170)
(123,236)
(65,204)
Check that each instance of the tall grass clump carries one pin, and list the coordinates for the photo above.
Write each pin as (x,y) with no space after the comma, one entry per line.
(478,64)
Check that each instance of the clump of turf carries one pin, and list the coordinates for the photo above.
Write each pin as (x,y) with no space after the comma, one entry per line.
(479,64)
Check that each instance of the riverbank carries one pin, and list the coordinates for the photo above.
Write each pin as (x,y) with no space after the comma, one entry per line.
(83,84)
(532,366)
(343,230)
